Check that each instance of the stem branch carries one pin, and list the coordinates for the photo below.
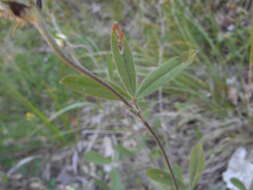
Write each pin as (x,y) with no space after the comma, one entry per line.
(41,27)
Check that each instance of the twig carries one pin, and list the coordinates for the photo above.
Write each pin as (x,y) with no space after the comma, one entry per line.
(32,15)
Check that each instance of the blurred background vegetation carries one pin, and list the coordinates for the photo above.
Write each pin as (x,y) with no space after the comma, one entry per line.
(45,128)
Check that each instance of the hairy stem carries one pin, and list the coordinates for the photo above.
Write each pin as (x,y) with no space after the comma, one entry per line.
(41,27)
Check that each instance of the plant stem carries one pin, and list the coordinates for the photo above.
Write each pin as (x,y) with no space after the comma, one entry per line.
(250,72)
(41,27)
(158,142)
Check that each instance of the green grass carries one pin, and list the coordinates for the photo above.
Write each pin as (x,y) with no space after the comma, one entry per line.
(221,55)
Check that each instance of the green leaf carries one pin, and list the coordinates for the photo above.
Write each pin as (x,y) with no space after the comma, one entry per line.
(164,179)
(178,171)
(159,176)
(125,64)
(110,67)
(115,180)
(97,158)
(161,75)
(197,165)
(236,182)
(123,152)
(91,87)
(121,91)
(102,185)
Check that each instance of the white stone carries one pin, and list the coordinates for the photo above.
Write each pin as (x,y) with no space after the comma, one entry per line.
(240,168)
